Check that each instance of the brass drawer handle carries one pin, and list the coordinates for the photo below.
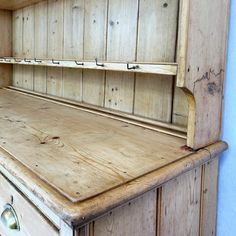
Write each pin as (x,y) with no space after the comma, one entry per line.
(9,218)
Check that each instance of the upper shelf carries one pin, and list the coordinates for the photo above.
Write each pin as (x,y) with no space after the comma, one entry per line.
(16,4)
(138,67)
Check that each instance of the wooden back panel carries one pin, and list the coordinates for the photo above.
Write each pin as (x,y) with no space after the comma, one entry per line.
(126,30)
(5,48)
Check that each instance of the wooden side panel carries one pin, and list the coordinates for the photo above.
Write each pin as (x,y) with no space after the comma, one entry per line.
(17,46)
(204,54)
(6,46)
(41,43)
(94,47)
(28,46)
(209,198)
(180,205)
(156,42)
(55,45)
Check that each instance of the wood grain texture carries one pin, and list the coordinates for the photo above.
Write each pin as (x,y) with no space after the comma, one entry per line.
(106,155)
(6,47)
(17,34)
(73,47)
(180,108)
(85,30)
(55,46)
(16,4)
(28,46)
(153,97)
(209,198)
(136,218)
(85,211)
(40,45)
(157,30)
(95,47)
(156,42)
(119,91)
(73,29)
(121,46)
(205,55)
(180,205)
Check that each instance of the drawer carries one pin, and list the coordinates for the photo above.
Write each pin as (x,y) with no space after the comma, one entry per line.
(31,221)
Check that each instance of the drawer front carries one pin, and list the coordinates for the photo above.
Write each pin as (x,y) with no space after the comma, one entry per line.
(31,221)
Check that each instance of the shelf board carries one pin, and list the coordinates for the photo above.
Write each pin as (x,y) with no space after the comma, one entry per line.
(137,67)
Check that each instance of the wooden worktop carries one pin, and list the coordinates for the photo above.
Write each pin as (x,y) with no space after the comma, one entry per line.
(72,159)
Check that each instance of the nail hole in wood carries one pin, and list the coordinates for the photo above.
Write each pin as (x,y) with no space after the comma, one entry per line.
(165,5)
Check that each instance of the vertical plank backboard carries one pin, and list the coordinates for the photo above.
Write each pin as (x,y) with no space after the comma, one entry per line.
(137,218)
(94,47)
(180,204)
(73,29)
(6,46)
(209,198)
(119,91)
(180,108)
(156,43)
(73,47)
(55,45)
(17,31)
(121,46)
(41,42)
(153,97)
(28,46)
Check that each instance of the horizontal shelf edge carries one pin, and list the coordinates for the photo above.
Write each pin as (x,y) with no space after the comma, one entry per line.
(159,68)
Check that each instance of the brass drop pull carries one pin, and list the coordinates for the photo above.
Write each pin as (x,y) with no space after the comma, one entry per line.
(9,218)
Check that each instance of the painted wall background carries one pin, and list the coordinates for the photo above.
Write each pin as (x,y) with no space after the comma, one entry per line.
(226,223)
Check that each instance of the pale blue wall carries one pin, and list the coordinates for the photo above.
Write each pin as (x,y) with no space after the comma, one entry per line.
(226,225)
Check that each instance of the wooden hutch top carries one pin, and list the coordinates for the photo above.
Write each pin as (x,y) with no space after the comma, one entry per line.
(80,159)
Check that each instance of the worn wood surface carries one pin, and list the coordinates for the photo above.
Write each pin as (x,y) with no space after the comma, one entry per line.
(136,218)
(30,219)
(16,4)
(96,153)
(202,55)
(185,205)
(114,31)
(40,45)
(82,212)
(5,48)
(209,198)
(153,93)
(180,205)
